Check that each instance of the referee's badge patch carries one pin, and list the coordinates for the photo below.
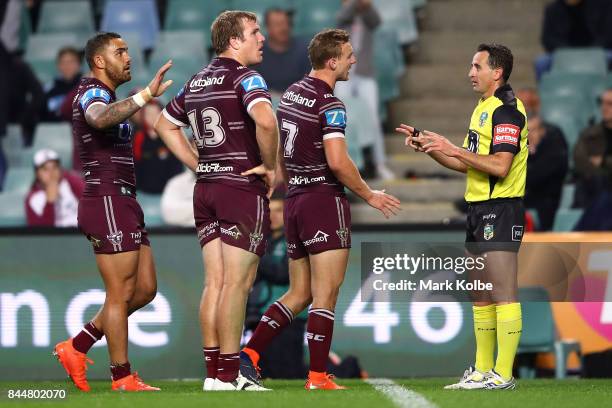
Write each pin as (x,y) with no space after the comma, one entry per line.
(483,118)
(489,232)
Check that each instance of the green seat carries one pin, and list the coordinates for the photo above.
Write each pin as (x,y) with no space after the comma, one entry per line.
(191,45)
(260,7)
(567,196)
(151,208)
(42,50)
(56,136)
(194,15)
(13,210)
(18,180)
(587,85)
(566,219)
(388,62)
(539,334)
(399,16)
(570,113)
(66,16)
(312,16)
(580,60)
(182,70)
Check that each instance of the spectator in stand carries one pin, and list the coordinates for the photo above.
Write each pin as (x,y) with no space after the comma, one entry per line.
(69,70)
(547,167)
(531,101)
(54,196)
(593,168)
(285,57)
(575,23)
(360,18)
(154,163)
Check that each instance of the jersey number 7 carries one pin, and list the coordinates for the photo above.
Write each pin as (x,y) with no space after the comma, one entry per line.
(292,131)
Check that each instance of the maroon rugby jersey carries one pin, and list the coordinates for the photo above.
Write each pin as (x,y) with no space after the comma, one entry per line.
(308,114)
(216,102)
(106,155)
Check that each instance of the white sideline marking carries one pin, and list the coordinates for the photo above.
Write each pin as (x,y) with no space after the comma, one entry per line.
(402,397)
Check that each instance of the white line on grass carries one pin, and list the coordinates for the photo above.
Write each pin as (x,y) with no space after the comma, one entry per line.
(402,397)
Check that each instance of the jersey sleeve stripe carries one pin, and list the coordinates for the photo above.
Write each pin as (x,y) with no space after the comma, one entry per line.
(257,100)
(333,135)
(172,119)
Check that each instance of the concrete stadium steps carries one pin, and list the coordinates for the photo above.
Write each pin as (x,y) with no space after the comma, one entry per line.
(445,115)
(422,190)
(413,213)
(420,165)
(441,47)
(484,15)
(444,80)
(394,144)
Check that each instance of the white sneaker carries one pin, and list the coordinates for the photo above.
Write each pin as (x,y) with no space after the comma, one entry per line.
(495,381)
(209,384)
(239,384)
(384,173)
(472,380)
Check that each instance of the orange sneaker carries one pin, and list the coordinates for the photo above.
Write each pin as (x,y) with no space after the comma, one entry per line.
(74,362)
(321,381)
(132,383)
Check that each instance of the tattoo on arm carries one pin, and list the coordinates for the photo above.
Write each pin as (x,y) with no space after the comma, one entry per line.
(102,116)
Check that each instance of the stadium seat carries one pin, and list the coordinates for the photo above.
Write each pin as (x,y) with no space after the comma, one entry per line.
(388,62)
(66,16)
(570,113)
(259,7)
(312,16)
(13,210)
(151,208)
(194,15)
(359,128)
(42,49)
(566,219)
(539,334)
(580,60)
(18,179)
(399,16)
(559,83)
(139,16)
(190,41)
(567,196)
(56,136)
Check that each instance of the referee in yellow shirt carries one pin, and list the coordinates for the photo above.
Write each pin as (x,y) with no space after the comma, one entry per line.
(494,157)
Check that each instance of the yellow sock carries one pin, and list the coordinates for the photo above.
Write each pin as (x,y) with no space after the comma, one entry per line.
(484,330)
(509,327)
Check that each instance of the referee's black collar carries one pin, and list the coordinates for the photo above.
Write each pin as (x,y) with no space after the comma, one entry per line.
(505,94)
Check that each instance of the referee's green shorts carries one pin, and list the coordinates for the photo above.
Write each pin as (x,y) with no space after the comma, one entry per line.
(495,225)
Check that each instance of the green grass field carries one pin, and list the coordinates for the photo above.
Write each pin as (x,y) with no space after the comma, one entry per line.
(529,393)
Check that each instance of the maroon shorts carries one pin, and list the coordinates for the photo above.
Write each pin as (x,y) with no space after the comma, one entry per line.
(317,222)
(112,223)
(240,218)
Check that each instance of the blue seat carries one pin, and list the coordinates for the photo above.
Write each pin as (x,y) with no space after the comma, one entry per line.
(139,16)
(66,16)
(388,62)
(42,49)
(586,85)
(539,334)
(399,16)
(312,16)
(570,113)
(567,196)
(151,207)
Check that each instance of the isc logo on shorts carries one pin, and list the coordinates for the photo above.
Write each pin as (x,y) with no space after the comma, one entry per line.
(315,337)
